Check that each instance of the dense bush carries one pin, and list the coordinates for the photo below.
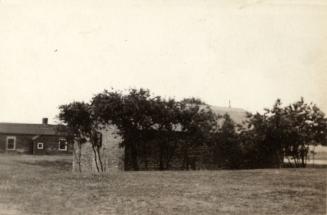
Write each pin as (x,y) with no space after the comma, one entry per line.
(284,132)
(143,119)
(165,129)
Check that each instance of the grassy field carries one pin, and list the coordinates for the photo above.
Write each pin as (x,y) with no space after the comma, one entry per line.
(45,185)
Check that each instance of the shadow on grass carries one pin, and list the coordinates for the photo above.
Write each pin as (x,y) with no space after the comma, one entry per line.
(56,164)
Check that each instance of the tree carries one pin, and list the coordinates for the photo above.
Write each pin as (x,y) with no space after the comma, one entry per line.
(146,122)
(130,113)
(226,149)
(164,115)
(198,123)
(283,131)
(82,127)
(307,126)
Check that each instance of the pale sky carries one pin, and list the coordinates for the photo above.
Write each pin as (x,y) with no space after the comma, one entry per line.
(249,52)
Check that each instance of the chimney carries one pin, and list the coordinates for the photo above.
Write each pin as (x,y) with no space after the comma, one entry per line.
(44,121)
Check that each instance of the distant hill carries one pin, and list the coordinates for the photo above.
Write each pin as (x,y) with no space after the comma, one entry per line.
(238,115)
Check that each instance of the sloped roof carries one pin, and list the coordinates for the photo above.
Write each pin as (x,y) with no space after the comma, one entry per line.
(24,128)
(238,115)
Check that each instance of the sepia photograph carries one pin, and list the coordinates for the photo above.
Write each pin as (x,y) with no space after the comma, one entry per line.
(163,107)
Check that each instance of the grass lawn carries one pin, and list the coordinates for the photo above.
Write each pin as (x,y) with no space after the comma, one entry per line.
(45,185)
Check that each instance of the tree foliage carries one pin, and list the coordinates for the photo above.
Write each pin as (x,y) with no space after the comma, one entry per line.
(82,126)
(283,132)
(226,148)
(152,126)
(143,119)
(198,123)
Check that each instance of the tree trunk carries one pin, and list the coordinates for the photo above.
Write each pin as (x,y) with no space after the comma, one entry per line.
(161,157)
(99,158)
(289,162)
(134,158)
(95,158)
(303,161)
(279,158)
(127,154)
(169,155)
(186,160)
(79,157)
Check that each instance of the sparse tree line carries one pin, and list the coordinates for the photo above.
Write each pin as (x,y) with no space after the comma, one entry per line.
(158,130)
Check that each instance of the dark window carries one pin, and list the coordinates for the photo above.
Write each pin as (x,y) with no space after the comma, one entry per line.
(62,144)
(40,145)
(11,143)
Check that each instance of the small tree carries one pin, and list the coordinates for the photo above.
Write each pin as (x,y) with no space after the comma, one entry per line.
(82,127)
(227,149)
(198,123)
(164,115)
(307,126)
(284,131)
(130,113)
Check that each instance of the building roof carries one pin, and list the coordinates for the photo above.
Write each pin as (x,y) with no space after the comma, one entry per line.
(238,115)
(24,128)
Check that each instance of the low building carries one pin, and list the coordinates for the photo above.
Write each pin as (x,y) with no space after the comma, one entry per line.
(38,139)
